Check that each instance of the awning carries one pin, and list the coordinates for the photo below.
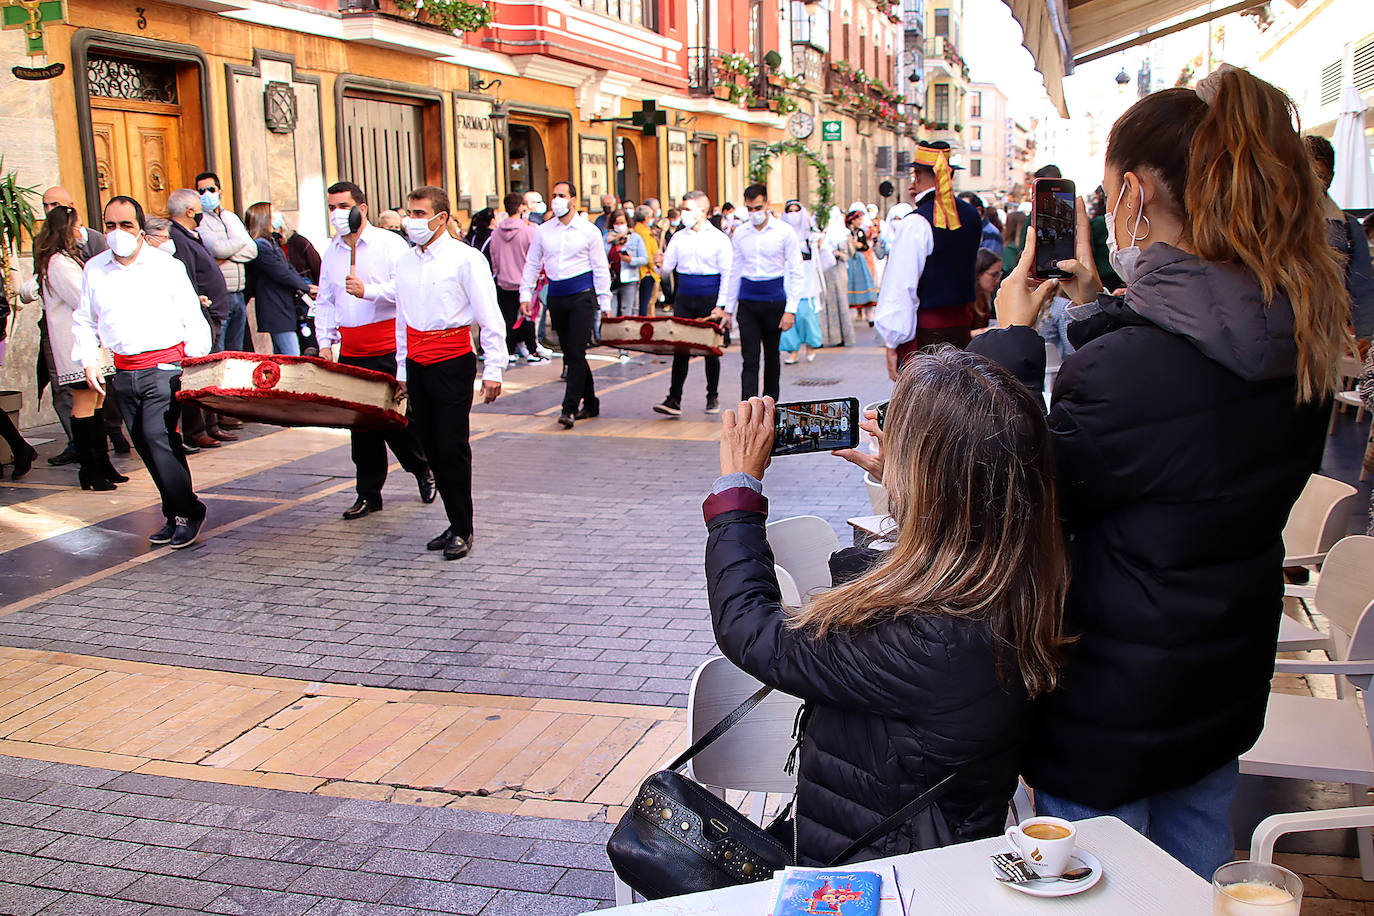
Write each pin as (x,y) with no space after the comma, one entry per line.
(1060,33)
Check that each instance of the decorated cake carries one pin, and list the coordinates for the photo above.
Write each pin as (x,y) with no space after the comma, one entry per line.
(292,391)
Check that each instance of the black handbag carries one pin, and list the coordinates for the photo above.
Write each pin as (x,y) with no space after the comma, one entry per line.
(678,838)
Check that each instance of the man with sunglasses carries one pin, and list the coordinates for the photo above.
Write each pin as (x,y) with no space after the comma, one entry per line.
(572,255)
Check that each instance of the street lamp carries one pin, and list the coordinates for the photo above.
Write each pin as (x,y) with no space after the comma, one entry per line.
(1123,79)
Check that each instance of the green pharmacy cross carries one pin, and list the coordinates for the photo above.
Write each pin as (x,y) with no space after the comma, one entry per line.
(30,15)
(648,119)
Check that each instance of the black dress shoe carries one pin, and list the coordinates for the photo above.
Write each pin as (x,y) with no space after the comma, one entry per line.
(565,420)
(186,533)
(66,456)
(458,548)
(164,534)
(427,491)
(188,448)
(360,508)
(442,542)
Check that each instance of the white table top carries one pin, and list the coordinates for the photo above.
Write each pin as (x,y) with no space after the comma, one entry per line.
(1138,878)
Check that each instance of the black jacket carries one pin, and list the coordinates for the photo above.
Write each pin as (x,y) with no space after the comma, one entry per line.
(274,283)
(1180,448)
(206,277)
(894,708)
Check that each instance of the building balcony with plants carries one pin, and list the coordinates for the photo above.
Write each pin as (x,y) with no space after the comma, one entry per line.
(735,78)
(456,17)
(862,95)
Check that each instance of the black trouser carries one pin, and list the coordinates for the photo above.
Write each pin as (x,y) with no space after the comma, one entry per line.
(369,446)
(509,301)
(147,398)
(197,421)
(61,395)
(440,401)
(758,327)
(573,317)
(693,307)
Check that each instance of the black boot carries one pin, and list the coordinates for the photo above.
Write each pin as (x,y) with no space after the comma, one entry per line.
(90,441)
(24,453)
(110,473)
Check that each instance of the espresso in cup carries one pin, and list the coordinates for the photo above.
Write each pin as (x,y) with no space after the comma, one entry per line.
(1046,843)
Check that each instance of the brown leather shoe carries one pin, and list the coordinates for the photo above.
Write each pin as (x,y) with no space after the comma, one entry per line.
(230,422)
(203,441)
(223,436)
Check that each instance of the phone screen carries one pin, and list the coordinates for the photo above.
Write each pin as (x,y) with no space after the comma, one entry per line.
(1054,226)
(803,427)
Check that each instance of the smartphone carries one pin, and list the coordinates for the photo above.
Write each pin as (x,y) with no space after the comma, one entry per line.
(803,427)
(1053,219)
(882,413)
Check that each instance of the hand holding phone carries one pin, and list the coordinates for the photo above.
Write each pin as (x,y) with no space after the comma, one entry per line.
(1053,221)
(806,427)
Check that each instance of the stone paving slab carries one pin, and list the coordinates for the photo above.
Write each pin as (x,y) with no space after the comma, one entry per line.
(59,856)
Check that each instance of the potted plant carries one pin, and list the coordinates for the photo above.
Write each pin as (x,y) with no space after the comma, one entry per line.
(450,15)
(16,220)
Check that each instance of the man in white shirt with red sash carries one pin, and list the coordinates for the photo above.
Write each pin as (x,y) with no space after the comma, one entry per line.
(138,302)
(356,311)
(442,287)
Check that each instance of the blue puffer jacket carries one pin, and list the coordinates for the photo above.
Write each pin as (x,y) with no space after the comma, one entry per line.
(894,708)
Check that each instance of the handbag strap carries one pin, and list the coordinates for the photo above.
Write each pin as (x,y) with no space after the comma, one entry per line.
(720,728)
(892,822)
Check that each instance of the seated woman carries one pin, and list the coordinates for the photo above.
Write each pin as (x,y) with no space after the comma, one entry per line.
(924,665)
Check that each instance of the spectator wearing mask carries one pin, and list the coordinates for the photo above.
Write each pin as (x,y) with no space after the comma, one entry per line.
(300,253)
(1175,485)
(648,272)
(627,254)
(225,237)
(609,204)
(510,242)
(479,231)
(275,284)
(806,332)
(917,674)
(535,208)
(390,220)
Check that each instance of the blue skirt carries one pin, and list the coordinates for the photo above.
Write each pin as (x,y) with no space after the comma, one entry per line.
(862,290)
(806,330)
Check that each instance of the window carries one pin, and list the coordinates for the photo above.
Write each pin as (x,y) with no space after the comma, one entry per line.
(942,23)
(941,113)
(975,168)
(975,142)
(975,104)
(384,148)
(801,23)
(1331,83)
(638,12)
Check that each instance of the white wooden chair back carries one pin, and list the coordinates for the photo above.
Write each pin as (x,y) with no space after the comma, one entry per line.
(802,545)
(1346,588)
(751,757)
(877,494)
(791,597)
(1318,519)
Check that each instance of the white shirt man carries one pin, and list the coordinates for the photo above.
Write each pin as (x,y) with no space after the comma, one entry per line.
(571,253)
(898,302)
(442,288)
(701,254)
(356,312)
(764,290)
(139,303)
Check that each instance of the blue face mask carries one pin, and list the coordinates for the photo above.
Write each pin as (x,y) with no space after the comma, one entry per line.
(209,199)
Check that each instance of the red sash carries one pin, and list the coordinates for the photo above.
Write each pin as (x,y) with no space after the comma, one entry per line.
(955,316)
(136,361)
(430,347)
(376,339)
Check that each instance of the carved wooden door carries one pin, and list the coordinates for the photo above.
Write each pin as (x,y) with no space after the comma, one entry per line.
(137,154)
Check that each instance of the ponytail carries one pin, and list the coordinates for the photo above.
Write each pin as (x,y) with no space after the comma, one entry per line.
(1238,175)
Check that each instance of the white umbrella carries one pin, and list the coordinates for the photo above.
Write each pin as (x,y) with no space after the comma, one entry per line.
(1353,186)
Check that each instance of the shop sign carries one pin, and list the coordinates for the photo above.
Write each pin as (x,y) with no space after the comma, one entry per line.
(474,139)
(594,154)
(831,131)
(677,164)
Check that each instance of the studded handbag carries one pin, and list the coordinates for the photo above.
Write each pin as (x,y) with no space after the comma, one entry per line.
(678,838)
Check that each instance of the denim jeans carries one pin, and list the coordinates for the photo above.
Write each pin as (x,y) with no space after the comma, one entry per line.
(286,343)
(1054,327)
(232,331)
(1192,823)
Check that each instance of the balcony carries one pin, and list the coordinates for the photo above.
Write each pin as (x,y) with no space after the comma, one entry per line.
(702,73)
(941,55)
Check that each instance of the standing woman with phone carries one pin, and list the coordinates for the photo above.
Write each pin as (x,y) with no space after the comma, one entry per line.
(1184,426)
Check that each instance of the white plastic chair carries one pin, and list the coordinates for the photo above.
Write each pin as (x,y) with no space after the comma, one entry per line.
(802,545)
(1268,831)
(877,495)
(1319,518)
(1324,740)
(791,597)
(752,756)
(1344,589)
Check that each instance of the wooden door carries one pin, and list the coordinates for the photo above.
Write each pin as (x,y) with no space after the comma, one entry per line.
(138,154)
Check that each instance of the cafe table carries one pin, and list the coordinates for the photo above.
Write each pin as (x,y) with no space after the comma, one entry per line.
(1137,878)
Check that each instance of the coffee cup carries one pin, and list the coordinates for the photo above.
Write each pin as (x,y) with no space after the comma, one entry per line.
(1046,843)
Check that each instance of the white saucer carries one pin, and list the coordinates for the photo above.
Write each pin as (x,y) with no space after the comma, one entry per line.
(1053,887)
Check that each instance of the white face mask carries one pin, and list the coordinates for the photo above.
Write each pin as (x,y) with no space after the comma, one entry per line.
(539,207)
(620,229)
(560,207)
(278,221)
(690,217)
(122,243)
(418,230)
(758,217)
(168,246)
(1124,260)
(339,220)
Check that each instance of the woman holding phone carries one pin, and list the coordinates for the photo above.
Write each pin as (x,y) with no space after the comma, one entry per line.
(923,666)
(1184,426)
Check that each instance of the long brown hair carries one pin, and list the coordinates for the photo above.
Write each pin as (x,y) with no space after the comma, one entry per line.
(58,236)
(1237,174)
(1011,232)
(982,302)
(969,471)
(258,220)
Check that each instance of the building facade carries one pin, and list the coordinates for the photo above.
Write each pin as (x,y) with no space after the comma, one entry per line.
(946,78)
(988,138)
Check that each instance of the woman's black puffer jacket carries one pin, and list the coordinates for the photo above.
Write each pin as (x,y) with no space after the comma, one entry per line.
(895,707)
